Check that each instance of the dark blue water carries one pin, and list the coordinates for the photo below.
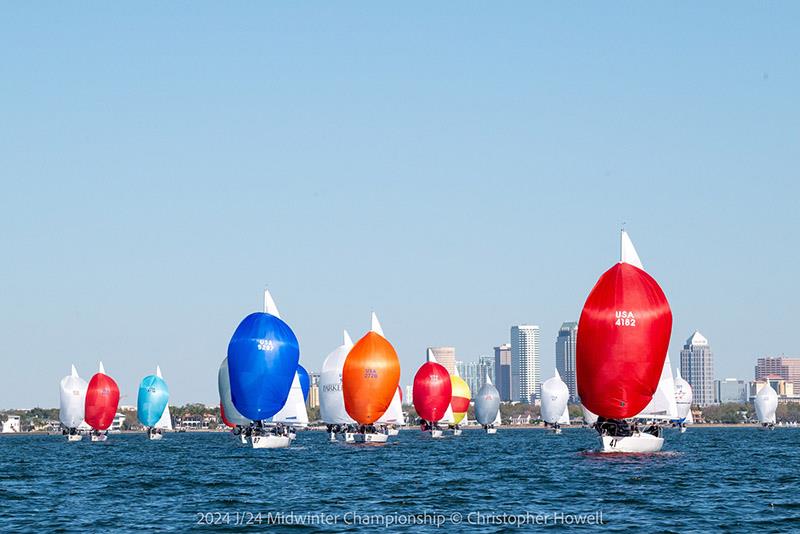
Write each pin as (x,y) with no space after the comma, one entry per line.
(732,479)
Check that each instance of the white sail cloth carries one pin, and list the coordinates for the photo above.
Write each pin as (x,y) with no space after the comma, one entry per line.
(73,400)
(294,412)
(224,385)
(766,403)
(555,396)
(683,397)
(331,399)
(662,406)
(394,413)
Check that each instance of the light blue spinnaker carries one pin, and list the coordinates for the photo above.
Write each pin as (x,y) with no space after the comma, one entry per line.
(152,401)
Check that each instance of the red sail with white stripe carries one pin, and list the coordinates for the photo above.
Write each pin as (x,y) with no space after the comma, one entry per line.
(623,336)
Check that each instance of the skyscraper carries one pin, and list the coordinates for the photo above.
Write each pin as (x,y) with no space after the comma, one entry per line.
(697,368)
(565,356)
(502,371)
(445,356)
(486,365)
(469,373)
(786,368)
(525,369)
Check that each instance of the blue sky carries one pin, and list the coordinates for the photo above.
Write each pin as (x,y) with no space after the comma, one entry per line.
(456,167)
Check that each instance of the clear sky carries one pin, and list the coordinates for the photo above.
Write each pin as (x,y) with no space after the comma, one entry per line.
(456,167)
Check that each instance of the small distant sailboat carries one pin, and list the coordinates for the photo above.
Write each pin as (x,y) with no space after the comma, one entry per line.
(370,377)
(152,403)
(263,356)
(555,397)
(331,399)
(683,401)
(433,392)
(459,403)
(102,401)
(487,406)
(766,403)
(72,404)
(623,336)
(238,423)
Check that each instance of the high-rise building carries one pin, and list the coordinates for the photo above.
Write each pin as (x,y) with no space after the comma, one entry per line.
(786,368)
(525,368)
(730,390)
(565,356)
(697,368)
(445,356)
(502,371)
(486,365)
(474,373)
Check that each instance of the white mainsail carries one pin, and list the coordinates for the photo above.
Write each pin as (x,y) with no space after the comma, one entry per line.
(331,400)
(448,417)
(394,413)
(766,403)
(662,406)
(683,397)
(294,412)
(165,421)
(627,252)
(555,395)
(73,400)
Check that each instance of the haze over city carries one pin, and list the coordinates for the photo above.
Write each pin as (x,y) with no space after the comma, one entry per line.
(454,174)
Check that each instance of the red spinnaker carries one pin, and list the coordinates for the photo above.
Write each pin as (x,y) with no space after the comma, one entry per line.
(432,391)
(102,400)
(623,336)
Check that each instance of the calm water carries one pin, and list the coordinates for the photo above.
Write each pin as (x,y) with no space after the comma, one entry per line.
(736,479)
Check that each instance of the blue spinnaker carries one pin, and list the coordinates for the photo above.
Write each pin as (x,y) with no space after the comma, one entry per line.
(305,381)
(152,401)
(262,360)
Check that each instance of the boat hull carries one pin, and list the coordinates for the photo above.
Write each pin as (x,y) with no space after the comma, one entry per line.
(74,437)
(491,431)
(101,437)
(370,438)
(436,434)
(457,431)
(392,432)
(332,437)
(637,443)
(349,437)
(270,442)
(156,437)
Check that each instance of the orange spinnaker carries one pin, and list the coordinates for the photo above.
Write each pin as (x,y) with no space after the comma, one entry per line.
(370,377)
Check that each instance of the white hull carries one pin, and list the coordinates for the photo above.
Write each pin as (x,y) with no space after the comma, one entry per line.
(392,432)
(636,443)
(436,434)
(683,429)
(556,431)
(332,437)
(457,431)
(243,439)
(370,438)
(156,437)
(491,431)
(101,437)
(349,437)
(74,437)
(270,442)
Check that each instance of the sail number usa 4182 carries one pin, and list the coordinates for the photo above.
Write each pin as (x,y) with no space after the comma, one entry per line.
(624,318)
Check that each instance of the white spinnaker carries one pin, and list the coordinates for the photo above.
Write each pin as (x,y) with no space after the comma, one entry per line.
(331,399)
(73,400)
(683,396)
(662,406)
(224,385)
(294,412)
(394,413)
(766,403)
(555,395)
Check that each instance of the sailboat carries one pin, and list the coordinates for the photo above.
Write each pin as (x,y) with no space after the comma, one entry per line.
(459,403)
(683,401)
(766,403)
(662,408)
(152,402)
(487,406)
(239,424)
(393,417)
(331,400)
(433,392)
(370,377)
(263,355)
(164,423)
(102,400)
(72,404)
(623,336)
(555,397)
